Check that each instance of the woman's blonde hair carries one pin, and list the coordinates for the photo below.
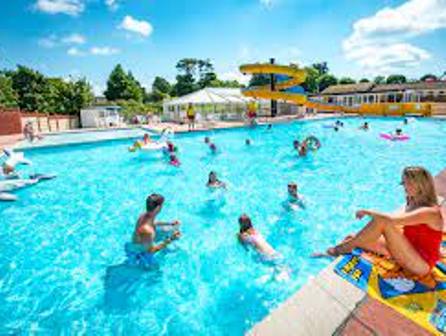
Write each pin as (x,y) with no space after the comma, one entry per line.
(423,182)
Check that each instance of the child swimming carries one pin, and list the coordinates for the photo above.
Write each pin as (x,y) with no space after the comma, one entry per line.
(174,161)
(364,127)
(214,182)
(294,199)
(213,148)
(247,142)
(249,236)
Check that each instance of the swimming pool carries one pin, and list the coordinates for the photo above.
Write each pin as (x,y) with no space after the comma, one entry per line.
(61,266)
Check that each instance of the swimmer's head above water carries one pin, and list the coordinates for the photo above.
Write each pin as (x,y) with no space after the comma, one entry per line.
(296,144)
(292,189)
(245,223)
(247,142)
(399,131)
(154,203)
(207,140)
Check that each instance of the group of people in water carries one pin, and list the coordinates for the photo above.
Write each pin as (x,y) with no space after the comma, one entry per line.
(412,238)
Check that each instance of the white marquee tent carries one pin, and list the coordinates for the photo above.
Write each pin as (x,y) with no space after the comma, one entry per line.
(222,103)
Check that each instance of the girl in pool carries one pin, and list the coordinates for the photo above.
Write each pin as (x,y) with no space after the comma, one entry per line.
(249,236)
(412,239)
(173,160)
(214,182)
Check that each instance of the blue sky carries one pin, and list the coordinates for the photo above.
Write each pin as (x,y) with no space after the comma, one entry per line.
(88,37)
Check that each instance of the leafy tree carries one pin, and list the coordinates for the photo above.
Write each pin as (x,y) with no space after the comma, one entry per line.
(396,79)
(185,84)
(364,80)
(379,80)
(123,86)
(347,80)
(259,80)
(161,85)
(428,78)
(225,83)
(206,73)
(311,83)
(327,80)
(8,97)
(30,86)
(322,68)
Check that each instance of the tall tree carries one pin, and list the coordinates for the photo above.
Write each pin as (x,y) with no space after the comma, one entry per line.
(30,86)
(396,79)
(322,68)
(311,83)
(379,80)
(327,80)
(161,89)
(347,80)
(121,85)
(8,97)
(429,78)
(364,80)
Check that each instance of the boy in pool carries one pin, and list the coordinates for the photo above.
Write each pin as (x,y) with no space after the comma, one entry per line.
(207,140)
(214,182)
(294,199)
(365,126)
(247,142)
(398,132)
(213,148)
(142,247)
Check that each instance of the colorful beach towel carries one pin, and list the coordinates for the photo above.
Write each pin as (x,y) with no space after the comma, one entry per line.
(420,299)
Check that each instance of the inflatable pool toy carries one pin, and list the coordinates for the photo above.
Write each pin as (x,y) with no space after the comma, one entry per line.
(393,137)
(312,143)
(7,197)
(13,158)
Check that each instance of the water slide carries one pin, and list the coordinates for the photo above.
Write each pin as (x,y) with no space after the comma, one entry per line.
(288,78)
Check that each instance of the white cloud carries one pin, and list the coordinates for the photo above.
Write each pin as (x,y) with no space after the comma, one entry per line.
(69,7)
(141,27)
(73,51)
(112,4)
(48,42)
(73,39)
(103,51)
(238,76)
(379,43)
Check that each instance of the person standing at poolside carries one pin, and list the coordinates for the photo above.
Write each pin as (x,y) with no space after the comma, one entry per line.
(190,113)
(140,251)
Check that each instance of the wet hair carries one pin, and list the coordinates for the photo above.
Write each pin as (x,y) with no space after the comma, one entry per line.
(296,143)
(292,185)
(423,182)
(247,142)
(153,201)
(270,126)
(336,128)
(245,223)
(399,130)
(212,146)
(209,178)
(206,139)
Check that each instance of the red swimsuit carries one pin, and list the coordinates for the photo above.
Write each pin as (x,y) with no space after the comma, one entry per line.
(426,241)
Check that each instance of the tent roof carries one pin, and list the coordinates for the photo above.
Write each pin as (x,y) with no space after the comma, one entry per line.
(211,96)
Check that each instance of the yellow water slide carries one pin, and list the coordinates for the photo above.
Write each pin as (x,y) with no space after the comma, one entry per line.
(295,76)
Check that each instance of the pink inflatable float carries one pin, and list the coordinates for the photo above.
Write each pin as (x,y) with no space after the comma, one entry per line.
(392,137)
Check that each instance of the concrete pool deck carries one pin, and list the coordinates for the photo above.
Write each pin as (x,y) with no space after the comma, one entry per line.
(329,305)
(78,136)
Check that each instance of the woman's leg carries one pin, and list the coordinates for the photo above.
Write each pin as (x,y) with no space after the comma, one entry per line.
(395,242)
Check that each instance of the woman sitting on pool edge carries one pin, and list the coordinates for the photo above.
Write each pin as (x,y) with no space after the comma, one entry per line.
(214,182)
(412,239)
(249,236)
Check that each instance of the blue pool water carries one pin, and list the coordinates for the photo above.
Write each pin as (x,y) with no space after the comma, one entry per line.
(61,261)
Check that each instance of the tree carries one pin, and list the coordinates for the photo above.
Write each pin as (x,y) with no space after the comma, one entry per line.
(327,80)
(364,80)
(379,80)
(123,86)
(8,97)
(206,73)
(161,85)
(322,68)
(225,83)
(347,80)
(396,79)
(259,80)
(429,78)
(29,86)
(185,84)
(311,83)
